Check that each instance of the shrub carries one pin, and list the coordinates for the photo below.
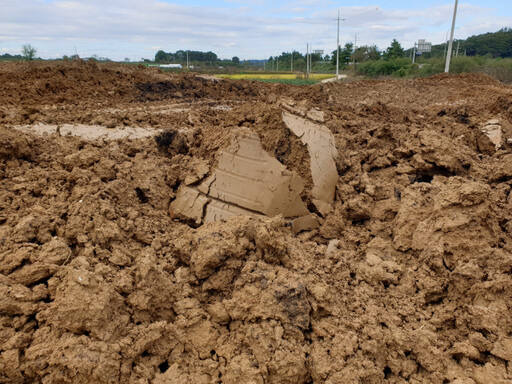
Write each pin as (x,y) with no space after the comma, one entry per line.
(396,67)
(500,69)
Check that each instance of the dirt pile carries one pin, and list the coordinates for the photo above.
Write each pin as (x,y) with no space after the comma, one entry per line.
(106,94)
(407,279)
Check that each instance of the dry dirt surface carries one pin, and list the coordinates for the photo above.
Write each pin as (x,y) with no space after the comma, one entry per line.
(407,280)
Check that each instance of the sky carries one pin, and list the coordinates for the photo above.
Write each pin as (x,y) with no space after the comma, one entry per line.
(251,29)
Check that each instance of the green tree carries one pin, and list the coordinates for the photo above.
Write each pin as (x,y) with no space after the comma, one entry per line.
(28,52)
(394,51)
(299,61)
(497,44)
(235,60)
(345,55)
(365,53)
(161,57)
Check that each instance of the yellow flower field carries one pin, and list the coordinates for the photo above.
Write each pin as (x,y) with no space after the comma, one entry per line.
(274,76)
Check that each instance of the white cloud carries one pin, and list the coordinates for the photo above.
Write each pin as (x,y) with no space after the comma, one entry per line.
(126,28)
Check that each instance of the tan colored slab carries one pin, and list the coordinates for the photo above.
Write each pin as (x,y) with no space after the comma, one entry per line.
(89,132)
(323,152)
(250,178)
(247,181)
(189,203)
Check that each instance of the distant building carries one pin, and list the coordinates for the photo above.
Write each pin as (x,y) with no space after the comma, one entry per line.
(424,47)
(176,66)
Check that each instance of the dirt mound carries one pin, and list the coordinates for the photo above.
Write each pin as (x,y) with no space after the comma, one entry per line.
(105,94)
(29,83)
(194,87)
(407,279)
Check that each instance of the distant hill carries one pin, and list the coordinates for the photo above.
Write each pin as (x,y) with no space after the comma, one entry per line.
(7,56)
(495,44)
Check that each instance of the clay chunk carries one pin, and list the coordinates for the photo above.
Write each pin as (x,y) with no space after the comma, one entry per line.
(247,182)
(323,152)
(189,203)
(492,129)
(250,178)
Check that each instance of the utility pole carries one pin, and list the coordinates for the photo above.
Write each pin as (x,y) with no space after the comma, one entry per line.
(450,45)
(291,65)
(310,58)
(307,60)
(458,45)
(187,59)
(414,54)
(355,48)
(338,48)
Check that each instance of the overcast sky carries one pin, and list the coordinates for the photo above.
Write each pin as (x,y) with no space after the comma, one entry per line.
(249,29)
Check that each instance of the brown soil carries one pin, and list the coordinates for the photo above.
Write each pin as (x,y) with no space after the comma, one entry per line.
(409,280)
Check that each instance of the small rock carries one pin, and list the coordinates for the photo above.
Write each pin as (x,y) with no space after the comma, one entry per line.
(304,223)
(492,129)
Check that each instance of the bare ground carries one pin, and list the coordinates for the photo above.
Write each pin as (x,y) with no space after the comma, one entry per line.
(408,280)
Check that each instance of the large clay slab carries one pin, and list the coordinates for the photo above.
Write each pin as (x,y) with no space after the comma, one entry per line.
(323,152)
(247,181)
(250,178)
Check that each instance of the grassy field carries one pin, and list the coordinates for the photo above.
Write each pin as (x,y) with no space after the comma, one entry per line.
(284,78)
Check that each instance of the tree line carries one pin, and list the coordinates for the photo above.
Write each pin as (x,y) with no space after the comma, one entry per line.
(181,57)
(495,45)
